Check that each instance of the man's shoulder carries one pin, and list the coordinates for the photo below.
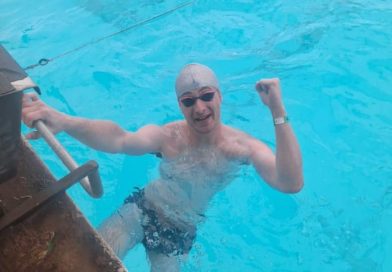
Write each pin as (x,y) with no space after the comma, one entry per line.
(232,132)
(174,130)
(174,124)
(236,136)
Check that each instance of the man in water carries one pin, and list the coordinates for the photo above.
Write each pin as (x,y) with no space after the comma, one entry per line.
(200,156)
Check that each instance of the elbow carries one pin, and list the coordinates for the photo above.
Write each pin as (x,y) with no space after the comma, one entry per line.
(296,188)
(292,186)
(118,145)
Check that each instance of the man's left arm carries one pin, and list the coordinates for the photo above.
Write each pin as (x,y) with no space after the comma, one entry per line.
(283,171)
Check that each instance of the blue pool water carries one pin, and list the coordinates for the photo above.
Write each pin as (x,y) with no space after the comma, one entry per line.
(334,59)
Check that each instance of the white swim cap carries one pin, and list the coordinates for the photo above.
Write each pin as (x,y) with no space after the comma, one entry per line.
(195,76)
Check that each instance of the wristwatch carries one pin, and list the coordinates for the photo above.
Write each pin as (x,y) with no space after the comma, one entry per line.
(281,120)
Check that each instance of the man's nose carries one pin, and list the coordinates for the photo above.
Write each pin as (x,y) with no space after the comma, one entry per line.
(200,106)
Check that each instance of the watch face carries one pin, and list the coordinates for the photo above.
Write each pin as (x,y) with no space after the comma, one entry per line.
(281,120)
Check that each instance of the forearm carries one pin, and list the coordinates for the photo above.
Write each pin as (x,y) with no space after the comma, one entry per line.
(286,170)
(288,156)
(98,134)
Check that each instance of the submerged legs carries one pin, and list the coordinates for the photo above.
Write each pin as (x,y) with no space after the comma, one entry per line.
(163,263)
(123,230)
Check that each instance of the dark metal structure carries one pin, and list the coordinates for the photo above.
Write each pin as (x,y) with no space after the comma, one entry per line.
(13,80)
(40,227)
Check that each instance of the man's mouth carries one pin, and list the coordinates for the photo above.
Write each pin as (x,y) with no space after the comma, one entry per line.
(202,118)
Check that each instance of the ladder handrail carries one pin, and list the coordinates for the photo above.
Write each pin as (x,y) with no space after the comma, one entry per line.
(91,184)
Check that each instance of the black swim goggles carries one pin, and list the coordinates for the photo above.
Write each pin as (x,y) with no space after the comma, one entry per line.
(190,101)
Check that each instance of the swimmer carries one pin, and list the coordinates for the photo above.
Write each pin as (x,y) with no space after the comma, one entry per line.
(200,156)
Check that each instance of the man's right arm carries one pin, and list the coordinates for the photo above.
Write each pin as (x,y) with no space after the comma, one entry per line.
(99,134)
(109,137)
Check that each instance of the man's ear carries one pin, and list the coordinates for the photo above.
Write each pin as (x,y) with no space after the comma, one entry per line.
(180,106)
(220,95)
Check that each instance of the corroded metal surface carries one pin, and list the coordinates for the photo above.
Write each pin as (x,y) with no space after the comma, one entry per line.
(56,237)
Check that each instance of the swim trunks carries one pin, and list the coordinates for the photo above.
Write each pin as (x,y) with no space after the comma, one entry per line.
(160,233)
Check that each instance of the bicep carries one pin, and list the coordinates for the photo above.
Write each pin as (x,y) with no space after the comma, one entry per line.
(147,139)
(263,160)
